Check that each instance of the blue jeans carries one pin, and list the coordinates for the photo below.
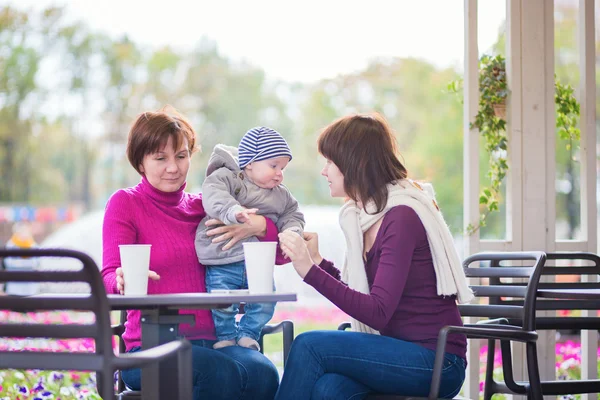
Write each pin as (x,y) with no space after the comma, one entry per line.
(256,315)
(228,373)
(349,365)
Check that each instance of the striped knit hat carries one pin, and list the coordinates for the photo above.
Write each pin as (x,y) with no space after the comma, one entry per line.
(262,143)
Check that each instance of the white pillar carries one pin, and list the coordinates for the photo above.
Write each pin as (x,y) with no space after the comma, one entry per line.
(587,98)
(532,136)
(471,169)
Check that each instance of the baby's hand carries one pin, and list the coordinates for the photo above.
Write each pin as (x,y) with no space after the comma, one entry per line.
(244,215)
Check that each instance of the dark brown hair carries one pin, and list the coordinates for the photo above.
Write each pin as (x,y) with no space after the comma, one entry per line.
(364,148)
(151,131)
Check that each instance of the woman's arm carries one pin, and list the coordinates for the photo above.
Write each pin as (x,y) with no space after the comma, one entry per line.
(328,267)
(398,243)
(270,231)
(305,253)
(117,228)
(263,228)
(271,235)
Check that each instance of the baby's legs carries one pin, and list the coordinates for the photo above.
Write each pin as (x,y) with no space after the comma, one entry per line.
(256,316)
(225,277)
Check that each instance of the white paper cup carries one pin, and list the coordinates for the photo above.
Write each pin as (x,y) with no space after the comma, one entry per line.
(135,261)
(260,260)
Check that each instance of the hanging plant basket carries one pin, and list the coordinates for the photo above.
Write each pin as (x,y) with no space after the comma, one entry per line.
(493,92)
(500,110)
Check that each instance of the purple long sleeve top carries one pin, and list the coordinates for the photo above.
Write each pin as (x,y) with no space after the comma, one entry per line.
(403,302)
(145,215)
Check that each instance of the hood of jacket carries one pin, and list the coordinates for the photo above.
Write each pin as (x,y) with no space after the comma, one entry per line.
(223,156)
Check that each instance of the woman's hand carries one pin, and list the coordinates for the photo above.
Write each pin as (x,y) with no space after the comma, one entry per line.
(296,249)
(121,281)
(244,215)
(255,226)
(312,242)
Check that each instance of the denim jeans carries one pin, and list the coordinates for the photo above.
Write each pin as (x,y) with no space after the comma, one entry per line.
(232,372)
(256,315)
(349,365)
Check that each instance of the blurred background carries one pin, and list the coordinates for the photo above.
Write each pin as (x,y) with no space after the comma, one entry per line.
(74,74)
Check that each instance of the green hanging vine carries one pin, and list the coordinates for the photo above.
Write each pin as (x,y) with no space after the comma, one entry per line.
(491,123)
(567,114)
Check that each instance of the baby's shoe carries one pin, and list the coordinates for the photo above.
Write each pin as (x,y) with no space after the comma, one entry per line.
(248,342)
(224,343)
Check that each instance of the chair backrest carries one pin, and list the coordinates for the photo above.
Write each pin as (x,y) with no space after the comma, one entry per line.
(519,282)
(95,302)
(584,268)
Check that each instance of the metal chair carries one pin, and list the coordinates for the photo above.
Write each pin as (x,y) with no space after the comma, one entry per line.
(286,327)
(103,360)
(553,387)
(496,326)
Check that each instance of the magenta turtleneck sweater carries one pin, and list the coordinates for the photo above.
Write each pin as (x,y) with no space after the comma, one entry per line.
(168,221)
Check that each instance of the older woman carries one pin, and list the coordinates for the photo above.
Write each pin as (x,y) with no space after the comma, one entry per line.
(159,212)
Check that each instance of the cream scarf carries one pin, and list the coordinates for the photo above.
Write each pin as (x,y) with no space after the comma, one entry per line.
(354,221)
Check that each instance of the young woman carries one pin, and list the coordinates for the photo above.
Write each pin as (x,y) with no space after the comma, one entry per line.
(400,282)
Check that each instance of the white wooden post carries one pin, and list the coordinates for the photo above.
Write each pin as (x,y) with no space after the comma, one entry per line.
(587,91)
(471,168)
(530,62)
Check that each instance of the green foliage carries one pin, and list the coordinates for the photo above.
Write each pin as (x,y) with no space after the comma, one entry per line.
(567,114)
(493,91)
(58,160)
(491,123)
(103,82)
(427,124)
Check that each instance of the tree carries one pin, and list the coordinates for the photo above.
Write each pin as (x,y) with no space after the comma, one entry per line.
(25,38)
(427,122)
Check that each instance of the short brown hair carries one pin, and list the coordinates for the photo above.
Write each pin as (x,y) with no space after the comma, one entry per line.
(151,131)
(364,148)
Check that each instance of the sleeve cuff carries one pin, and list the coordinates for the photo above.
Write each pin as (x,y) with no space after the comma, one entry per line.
(230,218)
(312,274)
(271,234)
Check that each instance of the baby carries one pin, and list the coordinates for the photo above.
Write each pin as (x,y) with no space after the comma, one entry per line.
(236,186)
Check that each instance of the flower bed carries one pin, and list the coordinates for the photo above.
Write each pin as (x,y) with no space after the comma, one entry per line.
(568,363)
(46,385)
(67,385)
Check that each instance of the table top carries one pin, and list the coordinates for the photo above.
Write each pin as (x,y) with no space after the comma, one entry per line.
(579,294)
(192,300)
(179,300)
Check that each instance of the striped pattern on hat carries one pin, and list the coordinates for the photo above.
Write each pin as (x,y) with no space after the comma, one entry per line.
(261,143)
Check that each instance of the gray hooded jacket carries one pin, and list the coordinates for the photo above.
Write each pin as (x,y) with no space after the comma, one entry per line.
(226,191)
